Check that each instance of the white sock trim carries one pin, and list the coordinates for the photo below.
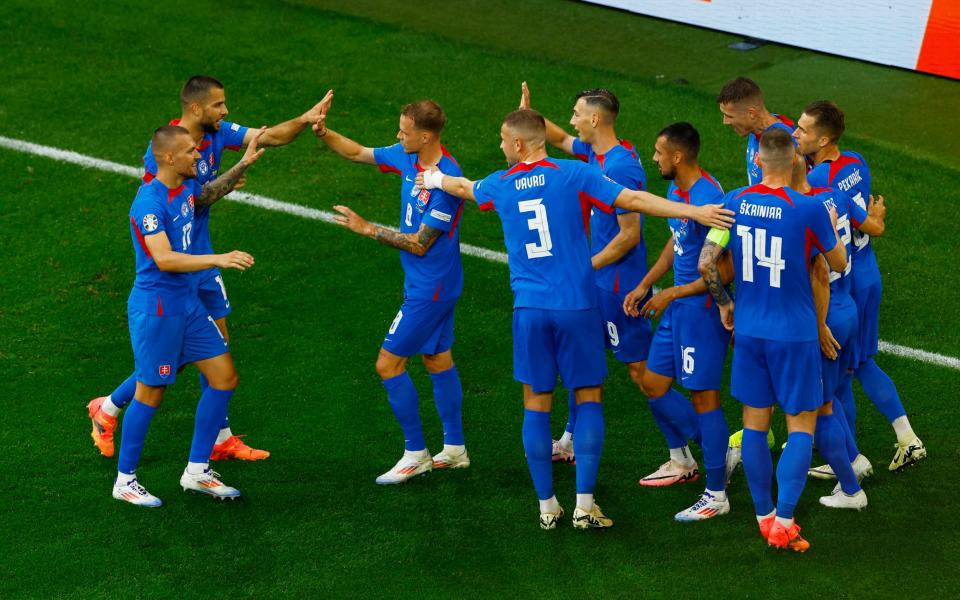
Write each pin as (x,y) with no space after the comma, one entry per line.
(901,426)
(109,408)
(550,505)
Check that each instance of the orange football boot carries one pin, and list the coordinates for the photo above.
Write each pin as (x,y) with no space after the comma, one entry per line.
(234,448)
(103,426)
(787,538)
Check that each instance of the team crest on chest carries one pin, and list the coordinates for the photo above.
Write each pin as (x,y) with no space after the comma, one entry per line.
(184,209)
(150,222)
(202,168)
(422,198)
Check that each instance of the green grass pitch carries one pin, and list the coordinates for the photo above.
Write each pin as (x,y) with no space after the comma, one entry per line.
(98,78)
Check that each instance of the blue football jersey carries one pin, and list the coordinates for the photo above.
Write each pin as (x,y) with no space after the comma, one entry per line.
(437,275)
(754,172)
(544,208)
(776,233)
(841,302)
(228,137)
(851,175)
(688,235)
(158,210)
(622,165)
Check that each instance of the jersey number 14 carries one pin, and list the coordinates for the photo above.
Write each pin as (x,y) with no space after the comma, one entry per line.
(754,245)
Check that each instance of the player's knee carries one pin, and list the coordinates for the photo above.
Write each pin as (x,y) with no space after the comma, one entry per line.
(225,381)
(705,401)
(653,386)
(437,363)
(636,371)
(388,366)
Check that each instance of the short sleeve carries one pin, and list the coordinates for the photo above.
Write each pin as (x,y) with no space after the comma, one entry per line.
(390,159)
(582,150)
(484,190)
(601,191)
(628,174)
(148,213)
(149,165)
(821,227)
(441,212)
(858,214)
(232,135)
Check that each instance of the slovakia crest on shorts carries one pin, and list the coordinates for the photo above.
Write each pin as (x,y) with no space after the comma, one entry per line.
(422,198)
(164,371)
(150,223)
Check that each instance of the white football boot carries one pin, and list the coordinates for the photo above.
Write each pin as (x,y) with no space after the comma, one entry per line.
(706,507)
(671,472)
(838,499)
(449,459)
(410,465)
(134,493)
(207,483)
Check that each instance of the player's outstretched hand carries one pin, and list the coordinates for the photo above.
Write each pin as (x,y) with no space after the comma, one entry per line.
(237,259)
(352,221)
(633,299)
(430,180)
(714,215)
(828,344)
(877,208)
(252,154)
(726,315)
(320,126)
(524,96)
(319,109)
(656,305)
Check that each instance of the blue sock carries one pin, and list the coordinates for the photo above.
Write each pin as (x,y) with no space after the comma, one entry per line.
(716,436)
(572,418)
(405,403)
(758,467)
(850,443)
(830,444)
(210,412)
(676,418)
(845,397)
(588,445)
(881,390)
(204,384)
(792,472)
(539,448)
(124,392)
(136,422)
(448,396)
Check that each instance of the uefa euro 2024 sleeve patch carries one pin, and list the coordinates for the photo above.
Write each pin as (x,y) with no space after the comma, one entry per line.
(150,223)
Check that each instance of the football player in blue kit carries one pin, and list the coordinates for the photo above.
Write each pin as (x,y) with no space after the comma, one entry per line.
(741,103)
(620,261)
(818,132)
(429,244)
(169,326)
(690,344)
(776,358)
(203,109)
(557,328)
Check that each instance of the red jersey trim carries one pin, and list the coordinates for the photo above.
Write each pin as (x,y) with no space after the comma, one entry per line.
(762,189)
(838,164)
(524,167)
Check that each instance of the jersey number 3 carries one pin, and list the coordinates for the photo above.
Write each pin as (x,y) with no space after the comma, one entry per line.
(772,260)
(539,224)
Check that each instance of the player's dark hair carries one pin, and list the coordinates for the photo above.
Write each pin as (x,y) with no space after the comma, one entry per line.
(603,99)
(738,90)
(685,136)
(426,114)
(164,137)
(777,147)
(197,88)
(528,123)
(827,118)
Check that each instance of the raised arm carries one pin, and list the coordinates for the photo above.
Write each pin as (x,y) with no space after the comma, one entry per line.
(415,243)
(284,133)
(556,136)
(168,260)
(342,145)
(221,186)
(711,215)
(626,240)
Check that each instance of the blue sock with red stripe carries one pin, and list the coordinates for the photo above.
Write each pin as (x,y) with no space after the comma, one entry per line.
(716,436)
(136,423)
(792,472)
(849,442)
(538,445)
(572,417)
(206,424)
(758,467)
(448,396)
(122,396)
(588,445)
(881,390)
(405,403)
(831,445)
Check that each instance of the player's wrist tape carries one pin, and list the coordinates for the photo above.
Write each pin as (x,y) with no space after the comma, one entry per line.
(432,179)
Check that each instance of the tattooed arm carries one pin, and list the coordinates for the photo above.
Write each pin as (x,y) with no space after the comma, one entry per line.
(710,271)
(223,185)
(415,243)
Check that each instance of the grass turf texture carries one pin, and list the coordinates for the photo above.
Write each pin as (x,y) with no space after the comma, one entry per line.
(311,314)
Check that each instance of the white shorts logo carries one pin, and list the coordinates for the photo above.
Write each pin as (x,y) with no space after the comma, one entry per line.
(442,216)
(150,223)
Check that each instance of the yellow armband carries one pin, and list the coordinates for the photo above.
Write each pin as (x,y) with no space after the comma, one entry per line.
(720,237)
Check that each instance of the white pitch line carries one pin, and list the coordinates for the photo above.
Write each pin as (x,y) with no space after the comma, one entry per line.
(327,217)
